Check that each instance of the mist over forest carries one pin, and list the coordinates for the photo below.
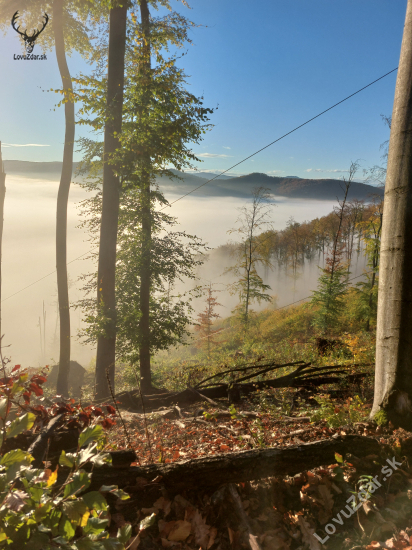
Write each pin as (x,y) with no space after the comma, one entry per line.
(28,236)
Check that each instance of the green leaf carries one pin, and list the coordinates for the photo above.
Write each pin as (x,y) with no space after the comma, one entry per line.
(95,526)
(18,385)
(36,493)
(62,541)
(75,510)
(95,501)
(42,511)
(108,488)
(20,425)
(120,494)
(115,491)
(15,456)
(91,434)
(338,458)
(87,544)
(66,529)
(112,544)
(147,522)
(37,541)
(80,481)
(124,533)
(53,521)
(67,459)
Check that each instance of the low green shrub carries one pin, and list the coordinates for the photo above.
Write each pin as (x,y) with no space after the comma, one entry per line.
(335,415)
(38,511)
(38,514)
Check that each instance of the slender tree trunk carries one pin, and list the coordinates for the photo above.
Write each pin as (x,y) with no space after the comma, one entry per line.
(62,200)
(2,197)
(393,374)
(106,296)
(145,271)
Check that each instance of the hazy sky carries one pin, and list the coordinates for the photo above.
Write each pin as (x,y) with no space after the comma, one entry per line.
(268,65)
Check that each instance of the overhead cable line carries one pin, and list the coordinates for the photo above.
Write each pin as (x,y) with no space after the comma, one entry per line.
(278,139)
(44,277)
(224,172)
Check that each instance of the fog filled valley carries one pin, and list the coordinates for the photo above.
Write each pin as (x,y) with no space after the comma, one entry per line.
(31,332)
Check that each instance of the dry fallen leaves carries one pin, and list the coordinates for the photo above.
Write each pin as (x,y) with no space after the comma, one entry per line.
(307,534)
(180,530)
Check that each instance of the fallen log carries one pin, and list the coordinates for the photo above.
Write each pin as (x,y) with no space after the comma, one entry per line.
(188,397)
(263,369)
(212,471)
(305,375)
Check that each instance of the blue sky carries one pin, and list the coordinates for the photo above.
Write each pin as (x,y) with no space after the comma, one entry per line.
(269,66)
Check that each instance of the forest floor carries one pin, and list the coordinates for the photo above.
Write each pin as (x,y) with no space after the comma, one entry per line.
(279,512)
(311,510)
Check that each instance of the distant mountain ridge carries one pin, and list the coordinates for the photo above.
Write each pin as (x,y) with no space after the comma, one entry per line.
(287,186)
(320,189)
(223,186)
(209,175)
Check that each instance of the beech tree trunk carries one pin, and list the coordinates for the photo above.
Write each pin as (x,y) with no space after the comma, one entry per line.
(106,296)
(393,381)
(62,200)
(2,197)
(145,269)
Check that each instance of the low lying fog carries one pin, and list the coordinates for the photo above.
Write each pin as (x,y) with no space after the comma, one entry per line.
(29,255)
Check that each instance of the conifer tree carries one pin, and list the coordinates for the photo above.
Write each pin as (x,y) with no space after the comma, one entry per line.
(206,318)
(332,283)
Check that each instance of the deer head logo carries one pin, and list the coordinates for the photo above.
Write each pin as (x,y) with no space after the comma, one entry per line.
(29,41)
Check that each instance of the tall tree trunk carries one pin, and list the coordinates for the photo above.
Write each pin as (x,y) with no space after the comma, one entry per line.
(393,380)
(62,200)
(145,270)
(106,296)
(2,197)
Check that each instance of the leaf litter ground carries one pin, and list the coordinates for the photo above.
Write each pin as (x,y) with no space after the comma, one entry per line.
(276,513)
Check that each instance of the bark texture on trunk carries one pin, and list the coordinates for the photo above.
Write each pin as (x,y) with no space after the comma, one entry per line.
(106,296)
(393,382)
(145,271)
(2,197)
(62,387)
